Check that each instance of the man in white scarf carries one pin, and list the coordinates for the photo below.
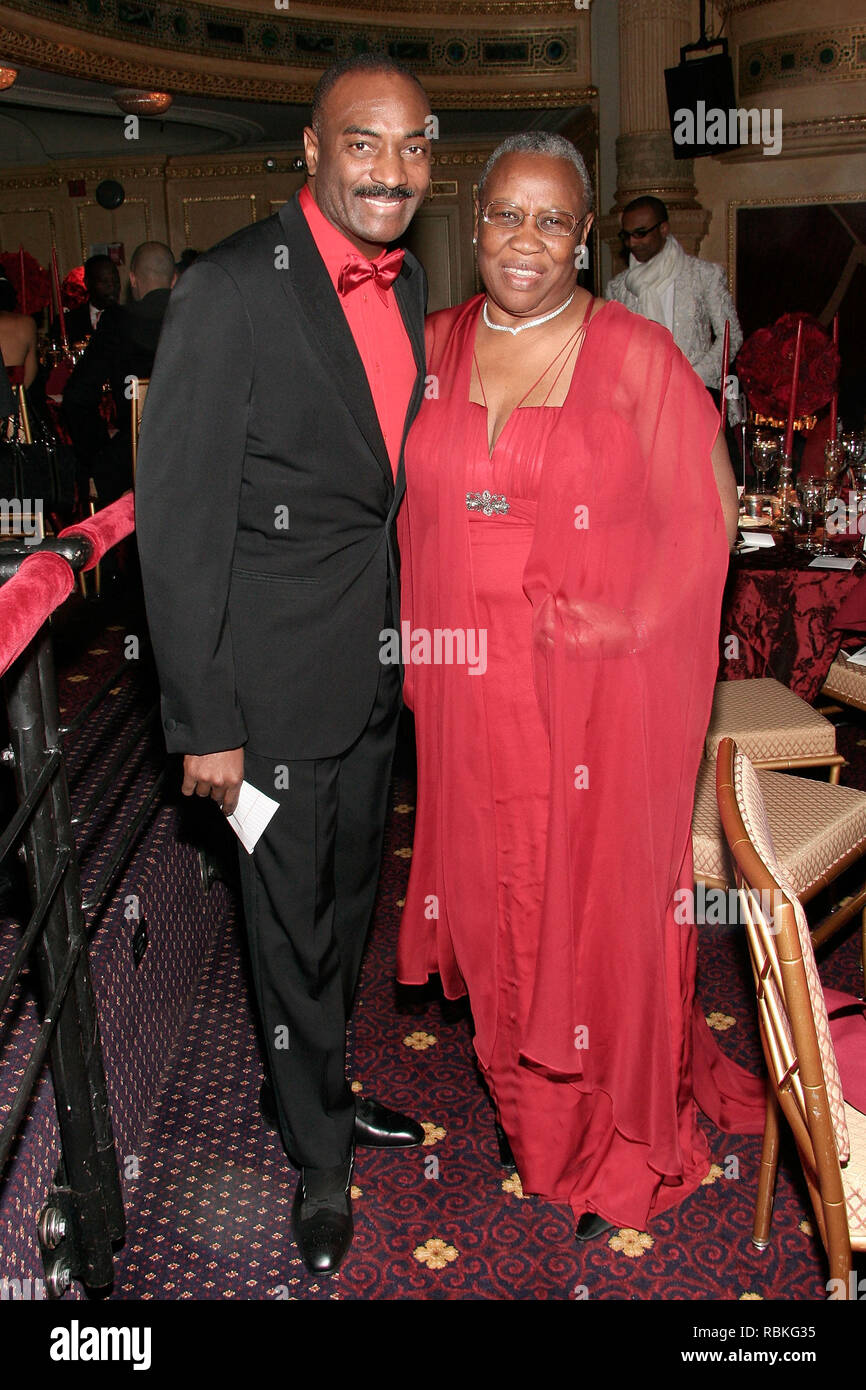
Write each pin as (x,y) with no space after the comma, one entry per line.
(687,295)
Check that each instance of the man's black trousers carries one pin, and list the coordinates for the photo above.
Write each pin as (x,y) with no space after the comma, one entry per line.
(308,890)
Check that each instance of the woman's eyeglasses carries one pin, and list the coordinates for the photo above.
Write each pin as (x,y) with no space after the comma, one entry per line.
(507,218)
(639,233)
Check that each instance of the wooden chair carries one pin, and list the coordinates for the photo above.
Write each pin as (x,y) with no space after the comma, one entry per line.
(819,834)
(772,726)
(803,1076)
(139,392)
(845,683)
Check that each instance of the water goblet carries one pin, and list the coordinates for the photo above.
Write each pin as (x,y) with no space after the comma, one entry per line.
(854,446)
(765,451)
(834,460)
(813,505)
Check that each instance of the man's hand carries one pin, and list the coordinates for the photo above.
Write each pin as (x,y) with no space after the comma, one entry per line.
(218,775)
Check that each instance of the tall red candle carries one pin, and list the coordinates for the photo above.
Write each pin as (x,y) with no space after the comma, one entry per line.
(725,348)
(795,382)
(22,307)
(55,279)
(834,400)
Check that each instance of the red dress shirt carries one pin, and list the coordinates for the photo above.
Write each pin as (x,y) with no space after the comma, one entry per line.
(377,328)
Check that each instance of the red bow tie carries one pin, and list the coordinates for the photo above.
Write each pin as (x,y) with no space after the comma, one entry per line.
(383,273)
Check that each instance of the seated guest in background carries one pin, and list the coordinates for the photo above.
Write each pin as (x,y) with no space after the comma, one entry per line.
(17,338)
(187,258)
(123,346)
(555,791)
(102,280)
(689,296)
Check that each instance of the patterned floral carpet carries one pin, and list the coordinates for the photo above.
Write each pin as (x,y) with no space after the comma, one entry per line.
(209,1213)
(444,1221)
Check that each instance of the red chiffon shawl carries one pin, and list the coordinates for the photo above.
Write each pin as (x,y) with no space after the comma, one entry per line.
(625,578)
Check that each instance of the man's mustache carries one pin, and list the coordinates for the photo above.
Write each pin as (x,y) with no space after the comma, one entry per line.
(378,190)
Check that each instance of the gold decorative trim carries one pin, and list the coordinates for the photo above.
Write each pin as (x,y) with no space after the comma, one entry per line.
(91,203)
(804,48)
(443,188)
(806,200)
(219,169)
(216,198)
(16,211)
(494,98)
(468,8)
(66,58)
(285,41)
(58,177)
(832,135)
(11,182)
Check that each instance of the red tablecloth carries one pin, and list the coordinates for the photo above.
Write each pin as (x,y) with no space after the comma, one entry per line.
(777,620)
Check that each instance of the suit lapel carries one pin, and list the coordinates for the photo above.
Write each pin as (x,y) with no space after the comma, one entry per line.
(315,296)
(414,324)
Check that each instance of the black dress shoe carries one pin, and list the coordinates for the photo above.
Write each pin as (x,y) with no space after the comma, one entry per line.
(322,1218)
(591,1225)
(377,1127)
(506,1157)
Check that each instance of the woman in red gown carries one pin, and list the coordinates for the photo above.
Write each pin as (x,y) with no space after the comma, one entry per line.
(563,517)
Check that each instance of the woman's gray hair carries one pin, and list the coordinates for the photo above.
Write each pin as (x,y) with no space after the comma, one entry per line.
(540,142)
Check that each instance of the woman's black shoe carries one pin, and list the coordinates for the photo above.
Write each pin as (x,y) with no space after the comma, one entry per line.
(506,1157)
(591,1225)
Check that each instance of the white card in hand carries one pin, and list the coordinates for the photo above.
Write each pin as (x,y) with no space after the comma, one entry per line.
(251,816)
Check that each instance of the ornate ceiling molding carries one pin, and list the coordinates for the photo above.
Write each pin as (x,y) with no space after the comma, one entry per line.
(831,54)
(281,37)
(95,173)
(230,81)
(826,135)
(467,9)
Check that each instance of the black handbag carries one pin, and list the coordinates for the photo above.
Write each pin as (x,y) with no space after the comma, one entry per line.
(40,474)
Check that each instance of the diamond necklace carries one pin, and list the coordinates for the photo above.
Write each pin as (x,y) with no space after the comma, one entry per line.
(533,323)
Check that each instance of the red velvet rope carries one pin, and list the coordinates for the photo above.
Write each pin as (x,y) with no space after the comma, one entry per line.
(41,584)
(45,579)
(106,528)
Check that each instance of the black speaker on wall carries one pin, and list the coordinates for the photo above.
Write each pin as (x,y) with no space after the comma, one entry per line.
(700,99)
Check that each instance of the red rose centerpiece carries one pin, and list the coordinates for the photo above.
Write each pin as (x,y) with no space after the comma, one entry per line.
(765,366)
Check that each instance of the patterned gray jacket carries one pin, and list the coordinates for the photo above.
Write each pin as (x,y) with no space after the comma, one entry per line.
(701,305)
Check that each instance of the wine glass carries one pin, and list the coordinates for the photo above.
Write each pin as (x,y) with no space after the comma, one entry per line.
(765,451)
(854,445)
(835,461)
(813,505)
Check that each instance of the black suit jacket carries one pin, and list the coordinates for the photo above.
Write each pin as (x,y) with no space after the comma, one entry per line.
(78,322)
(123,345)
(265,501)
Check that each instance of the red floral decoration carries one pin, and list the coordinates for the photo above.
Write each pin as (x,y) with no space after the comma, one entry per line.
(37,284)
(73,291)
(765,366)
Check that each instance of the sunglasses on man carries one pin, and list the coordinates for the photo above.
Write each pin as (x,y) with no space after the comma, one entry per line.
(638,234)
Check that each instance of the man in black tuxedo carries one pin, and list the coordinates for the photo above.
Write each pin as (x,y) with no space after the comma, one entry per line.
(102,282)
(270,474)
(123,347)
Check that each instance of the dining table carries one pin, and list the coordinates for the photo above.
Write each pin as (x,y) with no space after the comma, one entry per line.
(778,612)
